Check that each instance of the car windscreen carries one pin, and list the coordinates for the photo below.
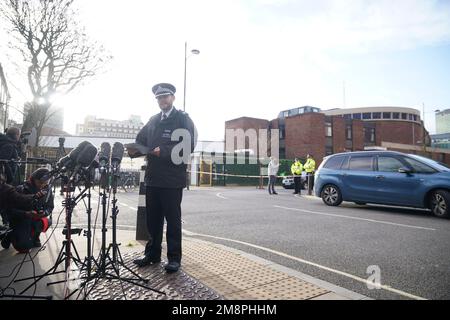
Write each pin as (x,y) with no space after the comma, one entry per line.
(436,165)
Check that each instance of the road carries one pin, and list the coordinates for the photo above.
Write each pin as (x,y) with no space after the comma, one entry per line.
(407,248)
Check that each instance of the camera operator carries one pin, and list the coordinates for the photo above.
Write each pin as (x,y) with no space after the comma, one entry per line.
(9,144)
(9,150)
(28,225)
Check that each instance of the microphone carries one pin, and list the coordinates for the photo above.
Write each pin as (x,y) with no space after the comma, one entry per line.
(68,162)
(84,158)
(117,154)
(104,154)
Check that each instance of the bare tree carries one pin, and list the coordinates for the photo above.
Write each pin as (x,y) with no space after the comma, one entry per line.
(56,51)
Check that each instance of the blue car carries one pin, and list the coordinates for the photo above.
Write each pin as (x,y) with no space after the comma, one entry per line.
(384,177)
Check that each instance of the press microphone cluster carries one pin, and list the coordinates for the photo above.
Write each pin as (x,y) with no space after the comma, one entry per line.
(80,157)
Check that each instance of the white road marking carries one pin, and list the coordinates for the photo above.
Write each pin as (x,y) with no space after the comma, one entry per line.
(356,218)
(345,274)
(220,196)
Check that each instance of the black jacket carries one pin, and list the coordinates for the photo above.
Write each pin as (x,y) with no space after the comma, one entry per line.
(8,151)
(44,205)
(161,171)
(10,198)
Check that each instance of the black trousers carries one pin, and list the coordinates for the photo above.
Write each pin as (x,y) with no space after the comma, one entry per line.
(298,184)
(164,203)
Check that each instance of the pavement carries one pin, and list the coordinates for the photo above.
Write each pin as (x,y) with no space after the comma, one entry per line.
(209,271)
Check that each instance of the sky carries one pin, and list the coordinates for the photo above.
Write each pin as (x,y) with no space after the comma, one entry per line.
(258,58)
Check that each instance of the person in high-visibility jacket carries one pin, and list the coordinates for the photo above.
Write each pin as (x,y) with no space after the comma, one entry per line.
(296,170)
(310,168)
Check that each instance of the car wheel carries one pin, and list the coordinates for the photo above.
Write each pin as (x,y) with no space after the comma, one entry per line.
(361,203)
(331,195)
(440,203)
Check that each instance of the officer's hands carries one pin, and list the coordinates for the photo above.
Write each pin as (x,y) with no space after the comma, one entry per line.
(156,152)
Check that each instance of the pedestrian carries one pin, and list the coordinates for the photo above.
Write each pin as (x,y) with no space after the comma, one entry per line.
(296,170)
(165,177)
(273,172)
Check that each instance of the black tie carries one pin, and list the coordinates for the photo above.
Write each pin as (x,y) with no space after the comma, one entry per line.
(164,116)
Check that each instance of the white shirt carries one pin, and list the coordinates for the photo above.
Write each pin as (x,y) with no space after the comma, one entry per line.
(273,168)
(166,113)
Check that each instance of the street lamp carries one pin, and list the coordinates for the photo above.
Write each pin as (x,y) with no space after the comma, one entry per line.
(193,51)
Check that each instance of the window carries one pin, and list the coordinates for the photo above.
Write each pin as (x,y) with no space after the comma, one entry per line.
(348,132)
(389,164)
(334,163)
(404,116)
(301,110)
(328,129)
(419,167)
(367,116)
(376,115)
(415,117)
(386,115)
(411,117)
(396,115)
(328,151)
(286,114)
(369,135)
(347,116)
(357,116)
(361,164)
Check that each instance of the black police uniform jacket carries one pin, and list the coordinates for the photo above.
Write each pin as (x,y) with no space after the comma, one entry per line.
(161,171)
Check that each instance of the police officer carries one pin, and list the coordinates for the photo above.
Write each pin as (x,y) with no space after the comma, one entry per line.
(165,177)
(310,168)
(296,170)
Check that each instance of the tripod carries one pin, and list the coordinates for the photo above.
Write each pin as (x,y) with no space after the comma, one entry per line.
(107,263)
(65,255)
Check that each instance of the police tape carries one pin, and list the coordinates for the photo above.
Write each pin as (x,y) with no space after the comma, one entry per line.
(236,175)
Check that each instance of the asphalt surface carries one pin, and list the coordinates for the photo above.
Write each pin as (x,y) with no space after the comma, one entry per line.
(339,245)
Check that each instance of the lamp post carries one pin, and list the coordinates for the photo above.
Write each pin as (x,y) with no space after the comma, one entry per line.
(193,51)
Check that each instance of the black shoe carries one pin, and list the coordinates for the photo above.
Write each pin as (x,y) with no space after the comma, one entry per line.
(172,267)
(146,261)
(295,193)
(275,193)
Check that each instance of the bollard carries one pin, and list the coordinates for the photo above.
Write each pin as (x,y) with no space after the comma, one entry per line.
(141,219)
(310,183)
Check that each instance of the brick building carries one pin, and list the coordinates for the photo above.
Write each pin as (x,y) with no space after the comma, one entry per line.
(320,133)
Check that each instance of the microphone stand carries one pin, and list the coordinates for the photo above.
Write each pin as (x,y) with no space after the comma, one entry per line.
(116,261)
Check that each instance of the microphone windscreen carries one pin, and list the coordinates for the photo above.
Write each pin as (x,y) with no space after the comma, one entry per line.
(86,157)
(105,153)
(117,152)
(76,152)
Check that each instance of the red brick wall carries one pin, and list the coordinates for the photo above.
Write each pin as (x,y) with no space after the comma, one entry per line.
(306,134)
(358,135)
(338,134)
(245,124)
(398,132)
